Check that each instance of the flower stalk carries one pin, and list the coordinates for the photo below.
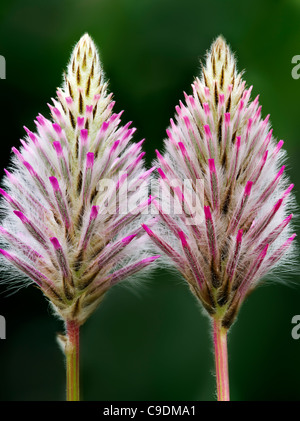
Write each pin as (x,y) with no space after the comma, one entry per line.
(221,360)
(222,195)
(72,360)
(70,224)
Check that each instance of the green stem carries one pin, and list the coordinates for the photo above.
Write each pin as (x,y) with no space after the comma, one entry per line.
(72,360)
(221,361)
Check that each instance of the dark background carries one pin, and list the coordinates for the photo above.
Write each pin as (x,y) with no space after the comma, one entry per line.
(151,342)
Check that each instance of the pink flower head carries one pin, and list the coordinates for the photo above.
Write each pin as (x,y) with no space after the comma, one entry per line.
(243,227)
(65,224)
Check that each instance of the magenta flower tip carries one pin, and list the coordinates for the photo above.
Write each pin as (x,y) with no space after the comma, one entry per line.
(207,212)
(84,135)
(231,149)
(207,131)
(151,258)
(147,229)
(211,164)
(57,128)
(94,212)
(248,188)
(55,243)
(80,122)
(58,148)
(4,253)
(239,236)
(21,216)
(54,183)
(182,238)
(128,239)
(161,173)
(90,159)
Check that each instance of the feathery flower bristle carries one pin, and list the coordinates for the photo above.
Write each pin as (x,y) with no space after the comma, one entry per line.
(219,136)
(63,224)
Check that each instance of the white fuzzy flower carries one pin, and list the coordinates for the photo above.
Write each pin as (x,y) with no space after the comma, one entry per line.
(75,195)
(220,138)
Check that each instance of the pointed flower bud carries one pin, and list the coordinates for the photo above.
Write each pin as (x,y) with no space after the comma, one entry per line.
(64,226)
(220,138)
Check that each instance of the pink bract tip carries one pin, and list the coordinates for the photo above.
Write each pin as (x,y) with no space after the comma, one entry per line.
(128,239)
(280,172)
(159,155)
(104,126)
(30,134)
(278,204)
(89,160)
(178,110)
(41,120)
(69,100)
(287,191)
(279,146)
(147,229)
(292,238)
(94,212)
(161,173)
(54,183)
(182,238)
(84,135)
(21,216)
(58,148)
(3,192)
(207,212)
(89,109)
(16,152)
(221,99)
(29,168)
(241,105)
(264,252)
(169,134)
(227,119)
(182,149)
(56,111)
(211,164)
(207,130)
(4,253)
(187,122)
(248,188)
(206,108)
(239,236)
(150,259)
(9,175)
(57,128)
(80,122)
(97,97)
(111,105)
(265,156)
(114,146)
(55,243)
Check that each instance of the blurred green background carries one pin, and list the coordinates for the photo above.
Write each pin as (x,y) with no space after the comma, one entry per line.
(151,342)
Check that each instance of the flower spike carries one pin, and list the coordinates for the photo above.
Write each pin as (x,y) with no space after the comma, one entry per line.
(241,229)
(63,226)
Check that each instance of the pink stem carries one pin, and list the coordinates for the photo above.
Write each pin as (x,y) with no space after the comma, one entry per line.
(221,361)
(72,363)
